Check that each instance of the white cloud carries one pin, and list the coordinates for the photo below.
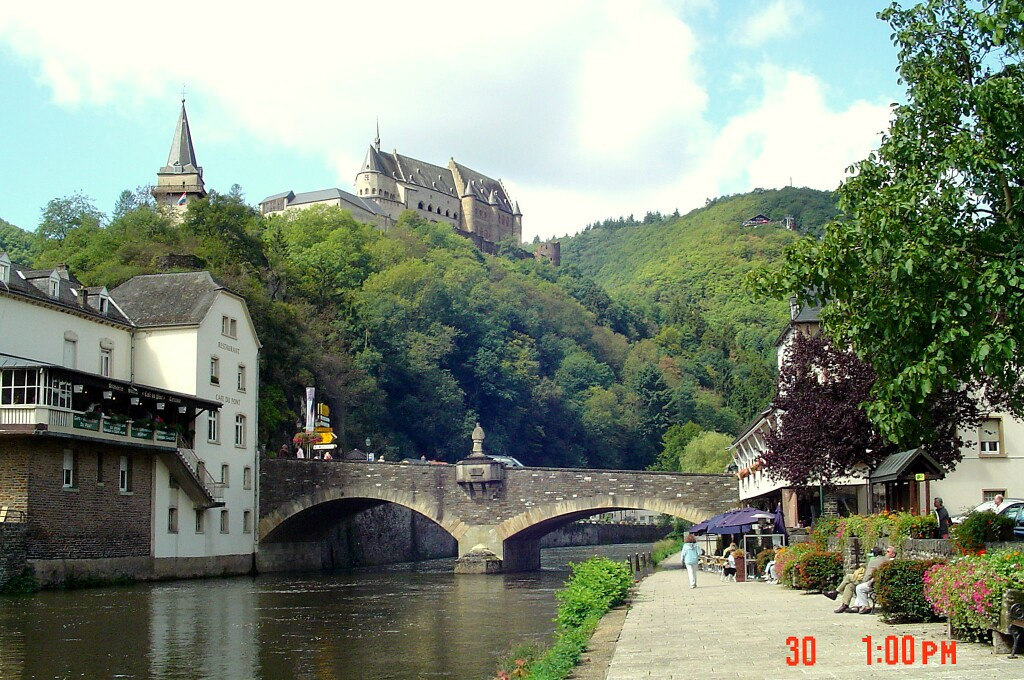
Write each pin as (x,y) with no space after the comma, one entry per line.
(586,110)
(775,20)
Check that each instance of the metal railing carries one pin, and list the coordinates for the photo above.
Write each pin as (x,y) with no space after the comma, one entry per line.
(11,515)
(198,470)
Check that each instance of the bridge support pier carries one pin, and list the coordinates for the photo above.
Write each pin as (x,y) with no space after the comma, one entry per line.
(515,555)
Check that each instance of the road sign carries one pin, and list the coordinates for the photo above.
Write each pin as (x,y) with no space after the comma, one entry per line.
(324,447)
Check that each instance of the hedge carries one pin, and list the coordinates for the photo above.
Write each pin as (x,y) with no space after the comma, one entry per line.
(819,570)
(899,590)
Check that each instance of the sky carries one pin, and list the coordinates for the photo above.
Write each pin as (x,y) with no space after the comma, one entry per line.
(586,110)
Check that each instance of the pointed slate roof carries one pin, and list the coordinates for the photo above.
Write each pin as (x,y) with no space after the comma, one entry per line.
(182,158)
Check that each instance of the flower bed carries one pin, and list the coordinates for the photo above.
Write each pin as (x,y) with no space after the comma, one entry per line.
(978,529)
(968,590)
(898,526)
(786,560)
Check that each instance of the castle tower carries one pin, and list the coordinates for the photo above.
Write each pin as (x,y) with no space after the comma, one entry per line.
(181,180)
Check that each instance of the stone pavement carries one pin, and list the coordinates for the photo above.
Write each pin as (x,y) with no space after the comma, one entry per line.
(739,630)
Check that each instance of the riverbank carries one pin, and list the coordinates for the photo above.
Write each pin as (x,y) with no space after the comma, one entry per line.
(740,630)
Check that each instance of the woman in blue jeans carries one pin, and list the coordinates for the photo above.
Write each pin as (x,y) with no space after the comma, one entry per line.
(691,555)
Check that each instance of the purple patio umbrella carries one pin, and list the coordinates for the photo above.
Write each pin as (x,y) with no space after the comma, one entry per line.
(779,524)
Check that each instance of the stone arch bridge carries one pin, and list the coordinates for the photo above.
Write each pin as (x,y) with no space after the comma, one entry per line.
(509,518)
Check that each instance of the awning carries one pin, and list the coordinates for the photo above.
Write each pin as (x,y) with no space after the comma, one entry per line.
(905,466)
(11,362)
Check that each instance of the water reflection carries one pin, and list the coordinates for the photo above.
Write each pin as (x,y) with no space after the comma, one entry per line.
(416,621)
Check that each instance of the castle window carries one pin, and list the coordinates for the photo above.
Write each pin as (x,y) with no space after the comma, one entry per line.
(438,211)
(446,214)
(455,215)
(430,208)
(420,206)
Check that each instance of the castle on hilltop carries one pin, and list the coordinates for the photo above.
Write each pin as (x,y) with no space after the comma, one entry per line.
(475,205)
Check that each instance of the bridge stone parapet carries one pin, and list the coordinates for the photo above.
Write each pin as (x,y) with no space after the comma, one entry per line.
(297,496)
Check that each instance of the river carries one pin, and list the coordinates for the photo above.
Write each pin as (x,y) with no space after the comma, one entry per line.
(402,621)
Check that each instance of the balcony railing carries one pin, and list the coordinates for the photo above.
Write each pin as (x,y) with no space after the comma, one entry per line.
(198,470)
(88,426)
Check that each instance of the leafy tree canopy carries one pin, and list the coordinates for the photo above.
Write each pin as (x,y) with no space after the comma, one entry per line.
(925,276)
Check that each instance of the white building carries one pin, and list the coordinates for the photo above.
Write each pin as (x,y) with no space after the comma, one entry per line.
(193,335)
(111,423)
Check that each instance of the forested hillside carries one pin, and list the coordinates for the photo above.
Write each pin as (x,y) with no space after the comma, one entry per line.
(622,358)
(686,276)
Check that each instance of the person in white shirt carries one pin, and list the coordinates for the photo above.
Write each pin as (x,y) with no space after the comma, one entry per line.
(997,503)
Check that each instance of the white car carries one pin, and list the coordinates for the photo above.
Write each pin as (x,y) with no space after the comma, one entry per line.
(1010,506)
(509,461)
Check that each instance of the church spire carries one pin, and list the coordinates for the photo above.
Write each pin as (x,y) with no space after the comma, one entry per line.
(376,140)
(182,157)
(181,180)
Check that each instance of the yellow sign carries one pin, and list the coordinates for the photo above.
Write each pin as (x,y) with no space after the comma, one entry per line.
(919,477)
(327,437)
(323,410)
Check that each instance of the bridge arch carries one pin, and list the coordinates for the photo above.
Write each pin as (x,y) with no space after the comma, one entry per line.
(541,519)
(368,493)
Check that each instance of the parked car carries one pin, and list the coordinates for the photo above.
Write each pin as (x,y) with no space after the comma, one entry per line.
(509,461)
(1012,508)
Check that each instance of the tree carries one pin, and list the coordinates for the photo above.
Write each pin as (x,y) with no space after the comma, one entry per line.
(676,438)
(924,278)
(706,453)
(821,431)
(61,215)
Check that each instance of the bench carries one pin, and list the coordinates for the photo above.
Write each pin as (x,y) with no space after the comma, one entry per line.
(1016,620)
(1011,624)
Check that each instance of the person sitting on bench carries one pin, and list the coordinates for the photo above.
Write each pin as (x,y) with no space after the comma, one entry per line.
(865,587)
(847,588)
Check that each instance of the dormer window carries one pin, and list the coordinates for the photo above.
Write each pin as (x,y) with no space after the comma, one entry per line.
(104,301)
(5,268)
(54,285)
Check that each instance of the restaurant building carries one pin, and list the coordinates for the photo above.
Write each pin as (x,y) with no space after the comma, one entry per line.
(111,452)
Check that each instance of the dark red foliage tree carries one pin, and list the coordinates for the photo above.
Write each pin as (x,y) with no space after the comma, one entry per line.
(822,432)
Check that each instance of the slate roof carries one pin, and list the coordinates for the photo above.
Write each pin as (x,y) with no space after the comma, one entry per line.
(482,187)
(168,299)
(182,158)
(34,284)
(907,462)
(426,174)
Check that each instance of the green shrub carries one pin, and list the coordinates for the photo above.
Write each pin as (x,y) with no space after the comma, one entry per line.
(980,528)
(595,586)
(763,558)
(899,590)
(819,570)
(665,547)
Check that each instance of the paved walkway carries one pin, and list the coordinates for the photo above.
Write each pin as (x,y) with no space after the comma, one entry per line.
(739,630)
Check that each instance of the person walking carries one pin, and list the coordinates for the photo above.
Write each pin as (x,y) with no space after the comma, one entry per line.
(690,557)
(942,515)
